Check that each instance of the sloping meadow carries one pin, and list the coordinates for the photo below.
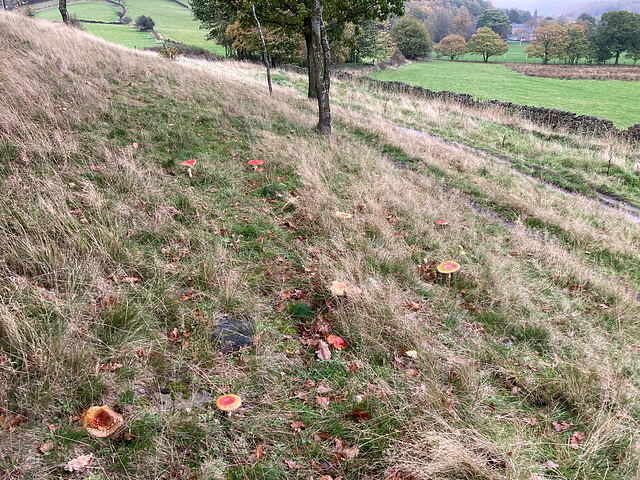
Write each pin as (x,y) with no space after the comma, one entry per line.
(117,265)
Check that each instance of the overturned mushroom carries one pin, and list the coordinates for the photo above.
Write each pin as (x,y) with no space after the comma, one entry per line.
(101,422)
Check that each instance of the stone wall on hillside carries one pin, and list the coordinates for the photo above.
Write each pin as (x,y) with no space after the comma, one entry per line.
(568,121)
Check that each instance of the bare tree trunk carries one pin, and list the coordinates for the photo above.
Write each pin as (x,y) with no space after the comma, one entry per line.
(264,50)
(321,59)
(308,40)
(62,6)
(4,6)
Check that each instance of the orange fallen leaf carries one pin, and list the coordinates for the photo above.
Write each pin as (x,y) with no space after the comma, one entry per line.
(130,280)
(79,463)
(260,452)
(561,426)
(110,367)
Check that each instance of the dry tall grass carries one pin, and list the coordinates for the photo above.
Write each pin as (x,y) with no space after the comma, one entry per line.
(530,327)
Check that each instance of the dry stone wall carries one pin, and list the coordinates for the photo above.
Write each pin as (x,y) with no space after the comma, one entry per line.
(567,121)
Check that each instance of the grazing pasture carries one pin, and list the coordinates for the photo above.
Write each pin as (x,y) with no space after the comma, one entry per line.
(611,99)
(173,21)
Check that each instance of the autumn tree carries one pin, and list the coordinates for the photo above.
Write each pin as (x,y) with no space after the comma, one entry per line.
(374,41)
(551,42)
(462,22)
(496,21)
(451,46)
(619,31)
(487,43)
(411,37)
(578,43)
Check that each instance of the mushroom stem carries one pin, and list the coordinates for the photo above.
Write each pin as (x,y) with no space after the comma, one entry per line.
(189,172)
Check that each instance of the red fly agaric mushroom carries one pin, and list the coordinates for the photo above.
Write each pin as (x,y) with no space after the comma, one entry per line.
(336,342)
(256,165)
(101,421)
(228,403)
(189,164)
(443,223)
(448,267)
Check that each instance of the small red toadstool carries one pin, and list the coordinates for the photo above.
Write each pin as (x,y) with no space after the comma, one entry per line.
(189,164)
(256,165)
(101,422)
(336,342)
(448,267)
(229,402)
(443,223)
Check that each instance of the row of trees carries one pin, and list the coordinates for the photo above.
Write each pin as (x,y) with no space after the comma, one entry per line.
(486,43)
(617,32)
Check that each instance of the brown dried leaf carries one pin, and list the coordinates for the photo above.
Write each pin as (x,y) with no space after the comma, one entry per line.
(130,280)
(79,463)
(561,426)
(110,367)
(323,351)
(576,439)
(259,452)
(297,426)
(360,415)
(533,421)
(46,447)
(292,464)
(323,402)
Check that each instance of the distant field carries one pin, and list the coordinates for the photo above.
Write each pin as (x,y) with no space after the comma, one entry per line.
(611,99)
(516,54)
(173,21)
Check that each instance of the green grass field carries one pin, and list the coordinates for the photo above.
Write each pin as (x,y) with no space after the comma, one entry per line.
(173,21)
(614,100)
(516,54)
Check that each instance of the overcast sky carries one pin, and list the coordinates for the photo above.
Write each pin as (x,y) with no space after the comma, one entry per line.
(546,7)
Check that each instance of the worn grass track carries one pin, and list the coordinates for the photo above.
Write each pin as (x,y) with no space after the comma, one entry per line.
(116,267)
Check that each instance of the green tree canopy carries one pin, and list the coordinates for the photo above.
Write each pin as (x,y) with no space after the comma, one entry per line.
(619,31)
(496,21)
(487,43)
(411,37)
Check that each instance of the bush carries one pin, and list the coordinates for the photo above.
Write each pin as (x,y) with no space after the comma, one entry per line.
(125,20)
(169,52)
(144,23)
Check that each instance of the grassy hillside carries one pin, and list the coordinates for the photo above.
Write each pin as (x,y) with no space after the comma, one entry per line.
(611,99)
(118,267)
(173,21)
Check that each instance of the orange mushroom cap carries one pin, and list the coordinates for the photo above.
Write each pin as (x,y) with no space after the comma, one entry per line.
(343,215)
(255,162)
(339,289)
(101,421)
(337,342)
(228,403)
(188,163)
(448,267)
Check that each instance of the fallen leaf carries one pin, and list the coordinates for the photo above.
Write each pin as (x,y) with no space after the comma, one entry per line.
(323,402)
(549,465)
(319,436)
(322,389)
(360,415)
(260,452)
(297,426)
(561,426)
(516,390)
(343,451)
(413,306)
(411,372)
(326,477)
(411,353)
(531,421)
(292,464)
(323,351)
(110,367)
(130,280)
(46,447)
(79,463)
(173,335)
(576,439)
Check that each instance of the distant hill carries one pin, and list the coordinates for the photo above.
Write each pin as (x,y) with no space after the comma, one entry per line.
(600,7)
